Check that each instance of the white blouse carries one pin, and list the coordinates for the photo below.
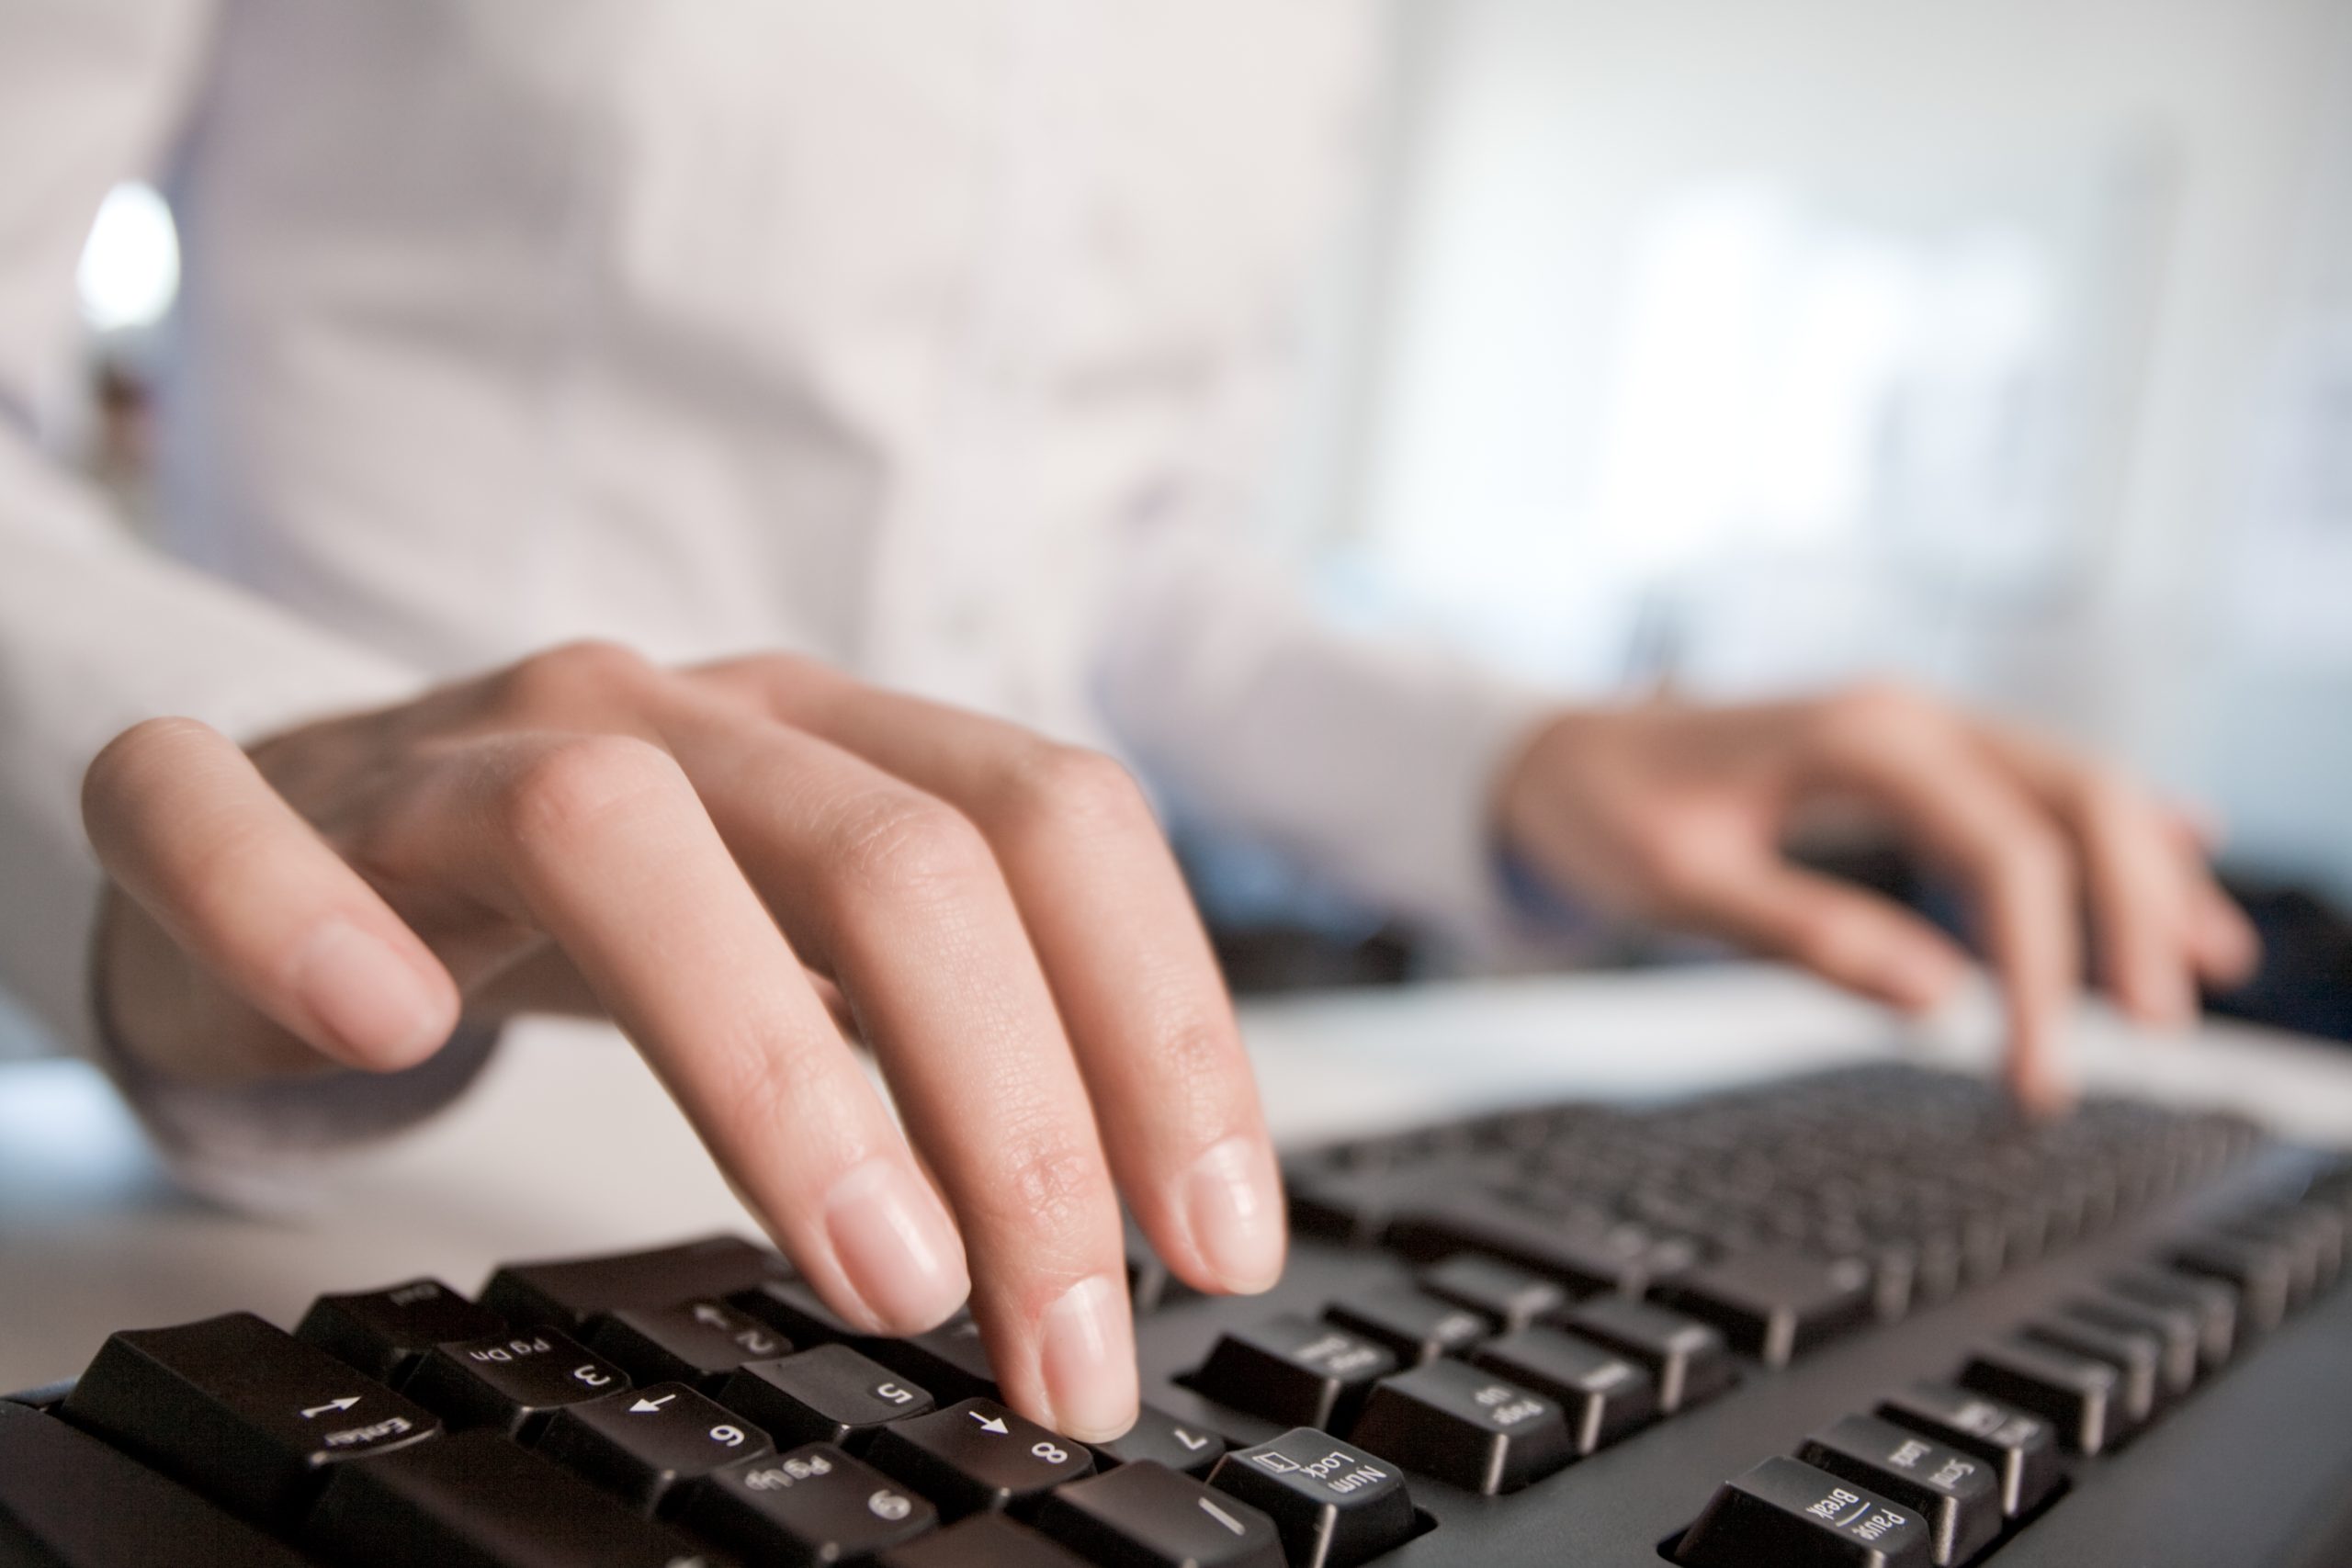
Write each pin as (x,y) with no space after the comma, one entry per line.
(943,339)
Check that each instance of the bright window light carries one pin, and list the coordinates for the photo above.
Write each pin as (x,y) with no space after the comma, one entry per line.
(130,265)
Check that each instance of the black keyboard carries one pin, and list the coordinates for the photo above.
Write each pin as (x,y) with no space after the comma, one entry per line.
(1871,1318)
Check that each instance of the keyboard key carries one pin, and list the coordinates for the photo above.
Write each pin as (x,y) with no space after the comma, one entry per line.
(2214,1302)
(1414,1325)
(1148,1281)
(830,1394)
(1604,1394)
(240,1410)
(1688,1359)
(791,1307)
(1353,1207)
(74,1502)
(566,1292)
(2174,1329)
(1504,1294)
(2261,1273)
(949,1360)
(978,1457)
(474,1500)
(1790,1515)
(2311,1242)
(1776,1305)
(815,1504)
(643,1443)
(513,1383)
(2079,1395)
(697,1342)
(385,1332)
(1334,1504)
(2134,1354)
(1626,1259)
(984,1541)
(1466,1427)
(1185,1446)
(1146,1516)
(2021,1448)
(1292,1368)
(1957,1495)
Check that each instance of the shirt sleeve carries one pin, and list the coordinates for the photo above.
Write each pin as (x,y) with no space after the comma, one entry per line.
(99,632)
(1373,760)
(1376,762)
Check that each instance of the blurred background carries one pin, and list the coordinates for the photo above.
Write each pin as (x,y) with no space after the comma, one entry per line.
(2006,346)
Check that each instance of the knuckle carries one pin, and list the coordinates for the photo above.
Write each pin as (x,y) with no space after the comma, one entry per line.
(575,677)
(1872,713)
(1052,1185)
(1679,867)
(566,793)
(2035,862)
(2104,794)
(1067,788)
(902,844)
(768,1086)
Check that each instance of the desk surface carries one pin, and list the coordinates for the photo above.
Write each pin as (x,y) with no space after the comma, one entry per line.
(568,1144)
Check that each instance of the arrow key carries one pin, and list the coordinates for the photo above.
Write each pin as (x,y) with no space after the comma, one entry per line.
(1185,1446)
(978,1457)
(645,1443)
(697,1342)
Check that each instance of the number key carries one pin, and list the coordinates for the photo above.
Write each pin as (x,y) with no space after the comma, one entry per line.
(643,1443)
(697,1342)
(978,1457)
(1186,1446)
(813,1505)
(511,1382)
(831,1394)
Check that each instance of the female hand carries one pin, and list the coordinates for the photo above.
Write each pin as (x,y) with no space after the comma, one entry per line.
(999,915)
(1676,815)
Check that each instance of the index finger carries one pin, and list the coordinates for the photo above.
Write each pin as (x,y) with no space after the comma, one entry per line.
(1123,950)
(1965,811)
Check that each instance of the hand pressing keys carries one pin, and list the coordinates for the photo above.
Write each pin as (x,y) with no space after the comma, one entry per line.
(735,862)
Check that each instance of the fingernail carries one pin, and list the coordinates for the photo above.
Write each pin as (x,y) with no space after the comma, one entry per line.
(1233,1202)
(898,1246)
(1089,1361)
(378,1007)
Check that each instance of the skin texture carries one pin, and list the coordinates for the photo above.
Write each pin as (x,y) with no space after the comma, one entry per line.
(746,865)
(1676,815)
(999,916)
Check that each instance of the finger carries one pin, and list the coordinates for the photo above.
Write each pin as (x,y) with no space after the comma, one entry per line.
(899,897)
(188,829)
(600,841)
(1844,934)
(2143,882)
(2227,948)
(1123,949)
(1982,822)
